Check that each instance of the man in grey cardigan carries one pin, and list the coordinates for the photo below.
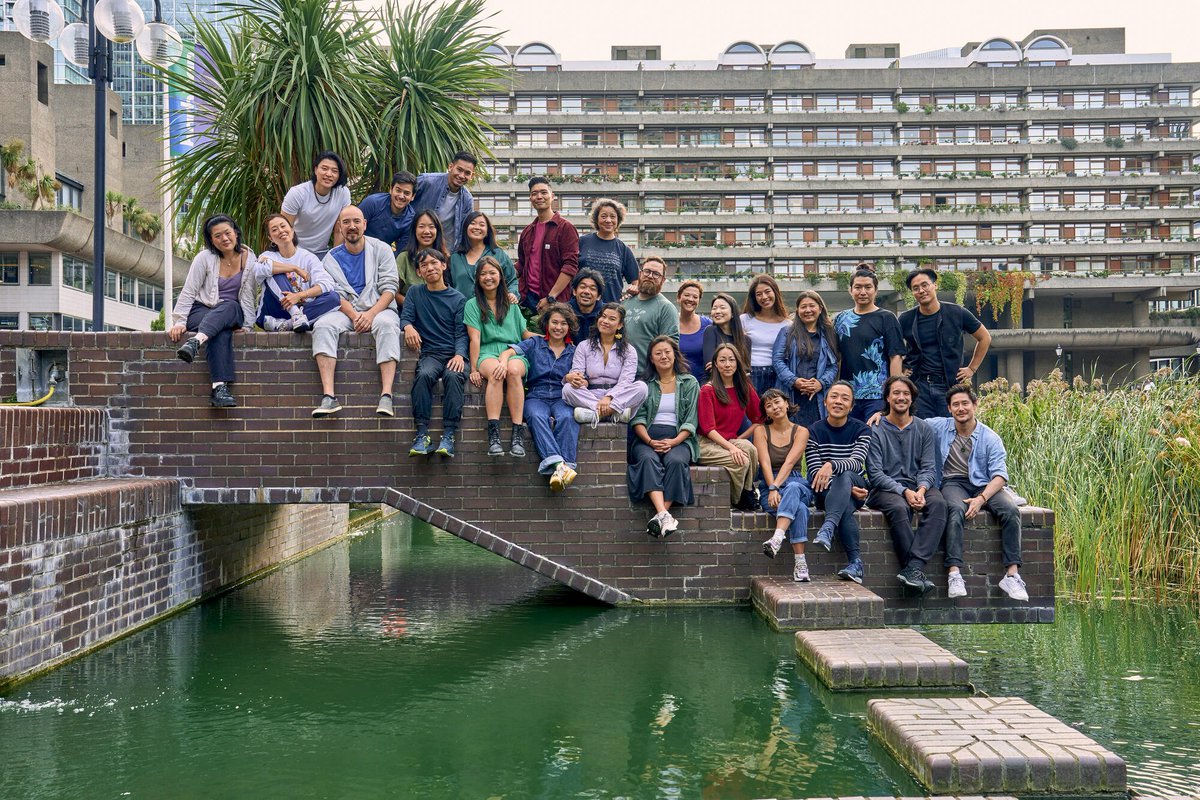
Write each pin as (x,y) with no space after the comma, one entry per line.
(903,475)
(364,271)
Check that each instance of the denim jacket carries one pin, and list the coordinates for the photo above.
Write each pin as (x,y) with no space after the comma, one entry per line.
(988,456)
(788,364)
(432,187)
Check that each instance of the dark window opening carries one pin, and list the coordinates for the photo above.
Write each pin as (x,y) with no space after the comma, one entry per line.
(43,84)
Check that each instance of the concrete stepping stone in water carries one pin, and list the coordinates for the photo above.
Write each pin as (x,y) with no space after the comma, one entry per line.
(993,744)
(821,604)
(880,658)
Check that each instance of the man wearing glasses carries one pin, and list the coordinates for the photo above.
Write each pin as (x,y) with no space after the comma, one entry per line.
(648,314)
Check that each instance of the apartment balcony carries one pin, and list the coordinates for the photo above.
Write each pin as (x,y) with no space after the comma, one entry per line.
(931,250)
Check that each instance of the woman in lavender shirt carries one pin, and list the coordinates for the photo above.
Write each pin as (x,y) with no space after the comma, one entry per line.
(602,383)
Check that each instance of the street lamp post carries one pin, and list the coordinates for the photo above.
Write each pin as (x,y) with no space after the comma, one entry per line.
(88,43)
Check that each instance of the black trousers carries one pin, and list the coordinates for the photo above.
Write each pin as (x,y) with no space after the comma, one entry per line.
(218,324)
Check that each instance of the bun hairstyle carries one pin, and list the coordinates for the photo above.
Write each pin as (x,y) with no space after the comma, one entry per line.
(865,270)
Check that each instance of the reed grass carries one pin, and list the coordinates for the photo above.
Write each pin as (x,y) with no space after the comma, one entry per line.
(1121,469)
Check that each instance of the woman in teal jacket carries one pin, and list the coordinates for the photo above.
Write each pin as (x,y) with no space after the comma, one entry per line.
(476,240)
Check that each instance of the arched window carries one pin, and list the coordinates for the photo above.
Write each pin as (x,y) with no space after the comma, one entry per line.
(789,47)
(743,48)
(994,45)
(536,48)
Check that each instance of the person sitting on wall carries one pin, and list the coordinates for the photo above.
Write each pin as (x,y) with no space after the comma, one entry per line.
(390,214)
(933,333)
(586,286)
(903,477)
(602,383)
(972,471)
(835,457)
(426,233)
(783,490)
(692,327)
(550,419)
(216,299)
(432,321)
(297,290)
(725,402)
(547,251)
(313,207)
(476,241)
(364,273)
(664,437)
(494,322)
(648,314)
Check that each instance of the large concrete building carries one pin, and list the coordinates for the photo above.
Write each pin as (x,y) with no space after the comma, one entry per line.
(1057,154)
(45,254)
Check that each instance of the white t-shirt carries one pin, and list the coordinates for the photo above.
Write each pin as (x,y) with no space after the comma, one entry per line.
(315,216)
(666,414)
(762,338)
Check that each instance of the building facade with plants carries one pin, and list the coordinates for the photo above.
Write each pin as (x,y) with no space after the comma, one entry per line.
(1054,180)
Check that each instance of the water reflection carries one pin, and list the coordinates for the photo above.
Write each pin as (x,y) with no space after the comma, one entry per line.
(409,663)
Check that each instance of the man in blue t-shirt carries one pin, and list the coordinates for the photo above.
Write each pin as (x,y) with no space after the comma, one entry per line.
(390,214)
(432,323)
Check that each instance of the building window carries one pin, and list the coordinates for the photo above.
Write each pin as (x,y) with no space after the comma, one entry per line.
(39,269)
(77,273)
(9,262)
(10,322)
(78,325)
(149,296)
(70,193)
(41,322)
(43,84)
(128,289)
(112,124)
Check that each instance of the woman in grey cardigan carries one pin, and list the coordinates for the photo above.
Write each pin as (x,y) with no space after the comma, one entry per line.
(216,299)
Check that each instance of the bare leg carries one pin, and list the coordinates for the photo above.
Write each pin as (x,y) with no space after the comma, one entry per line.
(656,500)
(493,393)
(387,376)
(515,391)
(325,368)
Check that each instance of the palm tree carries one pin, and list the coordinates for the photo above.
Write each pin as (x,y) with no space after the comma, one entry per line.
(435,62)
(44,190)
(285,79)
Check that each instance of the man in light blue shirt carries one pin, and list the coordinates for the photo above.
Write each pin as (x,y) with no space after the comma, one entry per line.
(972,469)
(447,196)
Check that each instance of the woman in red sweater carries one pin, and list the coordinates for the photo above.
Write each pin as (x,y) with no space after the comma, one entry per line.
(726,401)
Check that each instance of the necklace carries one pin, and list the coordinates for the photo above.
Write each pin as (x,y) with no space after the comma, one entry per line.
(328,197)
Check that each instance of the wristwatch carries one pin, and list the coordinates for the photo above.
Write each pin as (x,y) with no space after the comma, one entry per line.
(772,488)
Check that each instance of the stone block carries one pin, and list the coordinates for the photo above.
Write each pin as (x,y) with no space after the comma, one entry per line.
(820,604)
(993,744)
(879,658)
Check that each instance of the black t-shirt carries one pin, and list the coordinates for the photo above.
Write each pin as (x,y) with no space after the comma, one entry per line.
(928,361)
(868,342)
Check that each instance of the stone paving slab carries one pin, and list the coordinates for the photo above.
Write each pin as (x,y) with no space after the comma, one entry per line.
(823,603)
(880,658)
(940,797)
(993,744)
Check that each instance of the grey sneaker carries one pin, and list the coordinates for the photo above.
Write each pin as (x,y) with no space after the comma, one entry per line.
(328,407)
(585,416)
(771,546)
(955,585)
(623,417)
(384,409)
(1014,587)
(300,323)
(274,324)
(669,524)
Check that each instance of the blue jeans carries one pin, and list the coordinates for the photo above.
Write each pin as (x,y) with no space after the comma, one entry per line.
(555,431)
(762,378)
(839,506)
(931,400)
(863,409)
(794,498)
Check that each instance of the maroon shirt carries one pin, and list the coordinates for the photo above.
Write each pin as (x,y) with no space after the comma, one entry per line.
(559,256)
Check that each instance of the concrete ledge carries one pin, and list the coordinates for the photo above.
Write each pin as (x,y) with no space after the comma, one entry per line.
(1001,744)
(822,603)
(39,514)
(883,658)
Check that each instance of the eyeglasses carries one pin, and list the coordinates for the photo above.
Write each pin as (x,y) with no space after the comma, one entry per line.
(652,273)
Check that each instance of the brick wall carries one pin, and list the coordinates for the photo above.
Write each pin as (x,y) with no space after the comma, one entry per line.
(83,564)
(270,450)
(48,445)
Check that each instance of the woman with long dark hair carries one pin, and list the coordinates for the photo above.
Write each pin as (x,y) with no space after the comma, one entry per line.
(296,288)
(805,357)
(726,328)
(763,317)
(476,240)
(217,298)
(664,436)
(784,491)
(603,382)
(426,233)
(493,323)
(725,402)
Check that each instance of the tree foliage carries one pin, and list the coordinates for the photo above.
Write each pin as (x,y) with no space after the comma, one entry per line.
(277,81)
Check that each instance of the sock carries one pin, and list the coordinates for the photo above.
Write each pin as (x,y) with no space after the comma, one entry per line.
(201,337)
(801,560)
(777,537)
(332,396)
(218,383)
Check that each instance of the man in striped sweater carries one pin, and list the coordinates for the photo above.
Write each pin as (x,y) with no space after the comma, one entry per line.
(835,456)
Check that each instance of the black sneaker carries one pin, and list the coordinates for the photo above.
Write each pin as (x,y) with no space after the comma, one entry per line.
(914,578)
(748,501)
(222,398)
(188,350)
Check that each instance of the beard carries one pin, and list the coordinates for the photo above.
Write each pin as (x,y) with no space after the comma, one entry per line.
(648,287)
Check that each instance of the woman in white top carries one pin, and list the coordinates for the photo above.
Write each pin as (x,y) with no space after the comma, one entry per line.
(763,317)
(216,299)
(313,206)
(296,288)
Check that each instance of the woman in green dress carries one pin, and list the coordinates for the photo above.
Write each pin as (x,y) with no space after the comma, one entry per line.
(493,324)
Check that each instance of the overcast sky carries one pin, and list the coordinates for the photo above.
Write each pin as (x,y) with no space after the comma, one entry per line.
(583,30)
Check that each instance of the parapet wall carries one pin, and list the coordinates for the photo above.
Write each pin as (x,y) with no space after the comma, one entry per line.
(270,450)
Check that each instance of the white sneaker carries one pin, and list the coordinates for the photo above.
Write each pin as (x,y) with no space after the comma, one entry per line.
(585,416)
(669,524)
(955,585)
(273,325)
(623,417)
(800,571)
(1014,587)
(771,546)
(655,526)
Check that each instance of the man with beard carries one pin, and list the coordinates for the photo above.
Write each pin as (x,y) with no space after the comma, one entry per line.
(446,194)
(903,478)
(588,287)
(364,271)
(547,252)
(648,314)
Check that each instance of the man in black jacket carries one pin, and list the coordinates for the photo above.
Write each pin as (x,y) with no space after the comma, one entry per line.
(933,333)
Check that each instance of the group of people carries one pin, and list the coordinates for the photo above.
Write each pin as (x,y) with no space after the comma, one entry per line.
(799,409)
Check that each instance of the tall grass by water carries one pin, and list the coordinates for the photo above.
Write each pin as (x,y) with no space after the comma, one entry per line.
(1121,469)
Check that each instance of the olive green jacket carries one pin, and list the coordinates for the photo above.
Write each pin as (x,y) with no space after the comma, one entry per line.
(687,400)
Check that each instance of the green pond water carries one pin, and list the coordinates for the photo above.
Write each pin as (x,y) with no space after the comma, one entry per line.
(406,663)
